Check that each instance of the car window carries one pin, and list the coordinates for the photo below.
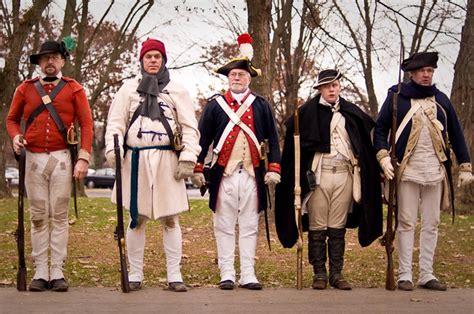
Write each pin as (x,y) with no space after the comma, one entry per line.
(100,172)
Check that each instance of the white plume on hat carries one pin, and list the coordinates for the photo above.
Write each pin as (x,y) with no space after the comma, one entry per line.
(245,46)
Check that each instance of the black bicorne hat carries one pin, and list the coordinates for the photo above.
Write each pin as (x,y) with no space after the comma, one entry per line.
(327,76)
(419,60)
(50,46)
(239,63)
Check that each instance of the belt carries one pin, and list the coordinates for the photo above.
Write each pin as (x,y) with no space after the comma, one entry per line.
(334,167)
(134,179)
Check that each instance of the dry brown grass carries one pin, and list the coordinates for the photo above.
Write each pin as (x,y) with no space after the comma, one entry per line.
(93,259)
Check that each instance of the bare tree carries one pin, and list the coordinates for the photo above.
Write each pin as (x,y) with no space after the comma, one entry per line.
(16,27)
(259,18)
(462,95)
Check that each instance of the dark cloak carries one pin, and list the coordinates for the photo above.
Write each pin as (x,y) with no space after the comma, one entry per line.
(314,137)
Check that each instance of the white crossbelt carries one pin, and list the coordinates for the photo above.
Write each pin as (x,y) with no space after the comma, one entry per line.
(414,108)
(235,120)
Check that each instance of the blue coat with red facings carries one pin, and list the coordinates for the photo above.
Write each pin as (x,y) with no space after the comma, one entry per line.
(211,126)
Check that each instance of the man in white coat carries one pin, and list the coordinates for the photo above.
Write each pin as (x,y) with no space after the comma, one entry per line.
(151,114)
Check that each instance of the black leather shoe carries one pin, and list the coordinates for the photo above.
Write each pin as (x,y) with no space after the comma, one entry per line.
(39,285)
(177,287)
(59,285)
(135,285)
(434,284)
(252,286)
(405,285)
(226,285)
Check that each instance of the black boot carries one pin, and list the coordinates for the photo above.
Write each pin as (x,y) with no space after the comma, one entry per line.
(317,257)
(336,245)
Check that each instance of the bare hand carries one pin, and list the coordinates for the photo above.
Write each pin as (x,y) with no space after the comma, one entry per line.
(18,143)
(80,169)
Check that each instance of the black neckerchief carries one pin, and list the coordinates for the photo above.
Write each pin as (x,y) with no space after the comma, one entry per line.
(413,90)
(151,85)
(50,79)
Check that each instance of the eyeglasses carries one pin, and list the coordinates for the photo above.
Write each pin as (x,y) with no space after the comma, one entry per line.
(54,57)
(238,74)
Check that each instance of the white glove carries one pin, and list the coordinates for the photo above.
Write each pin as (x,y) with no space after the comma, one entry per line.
(465,177)
(272,178)
(387,167)
(198,179)
(110,157)
(185,169)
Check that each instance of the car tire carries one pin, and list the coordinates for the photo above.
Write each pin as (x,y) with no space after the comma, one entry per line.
(90,184)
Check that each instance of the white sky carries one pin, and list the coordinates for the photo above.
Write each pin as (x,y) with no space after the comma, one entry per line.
(197,24)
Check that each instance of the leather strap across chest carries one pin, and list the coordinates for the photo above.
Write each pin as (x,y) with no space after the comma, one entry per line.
(48,105)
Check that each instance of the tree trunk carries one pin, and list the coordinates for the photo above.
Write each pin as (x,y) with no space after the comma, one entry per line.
(9,76)
(68,22)
(462,96)
(259,17)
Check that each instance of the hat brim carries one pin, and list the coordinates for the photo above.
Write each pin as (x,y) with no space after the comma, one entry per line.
(420,60)
(327,80)
(239,63)
(35,58)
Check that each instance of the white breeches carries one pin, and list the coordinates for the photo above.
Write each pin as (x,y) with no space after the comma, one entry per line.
(411,197)
(48,183)
(237,203)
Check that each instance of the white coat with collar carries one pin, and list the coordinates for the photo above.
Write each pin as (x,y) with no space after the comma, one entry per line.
(159,193)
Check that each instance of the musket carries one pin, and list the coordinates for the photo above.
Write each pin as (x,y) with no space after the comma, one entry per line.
(20,231)
(264,150)
(119,234)
(297,193)
(389,236)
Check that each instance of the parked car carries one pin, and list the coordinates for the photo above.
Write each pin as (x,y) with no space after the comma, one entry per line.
(101,178)
(189,184)
(12,176)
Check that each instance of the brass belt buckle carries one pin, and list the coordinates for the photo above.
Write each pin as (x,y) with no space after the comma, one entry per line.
(334,169)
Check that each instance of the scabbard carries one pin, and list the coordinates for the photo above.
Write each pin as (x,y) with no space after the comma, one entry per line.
(265,212)
(73,151)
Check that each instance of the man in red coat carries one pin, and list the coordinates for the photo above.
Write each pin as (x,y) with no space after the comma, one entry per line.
(236,124)
(49,105)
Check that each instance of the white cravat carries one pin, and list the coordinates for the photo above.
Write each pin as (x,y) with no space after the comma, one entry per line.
(240,96)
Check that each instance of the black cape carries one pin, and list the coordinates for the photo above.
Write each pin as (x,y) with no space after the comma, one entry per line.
(314,123)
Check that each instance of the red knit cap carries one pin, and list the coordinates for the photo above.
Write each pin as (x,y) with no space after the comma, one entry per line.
(153,44)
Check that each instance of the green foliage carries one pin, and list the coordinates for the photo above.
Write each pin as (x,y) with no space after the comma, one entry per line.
(70,43)
(93,255)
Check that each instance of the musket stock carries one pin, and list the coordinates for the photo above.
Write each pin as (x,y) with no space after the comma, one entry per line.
(297,193)
(20,232)
(389,235)
(119,230)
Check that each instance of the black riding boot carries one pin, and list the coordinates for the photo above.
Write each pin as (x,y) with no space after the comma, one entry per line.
(336,245)
(317,257)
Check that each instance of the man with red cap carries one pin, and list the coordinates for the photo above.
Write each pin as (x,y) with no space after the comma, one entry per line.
(50,104)
(237,123)
(155,120)
(427,126)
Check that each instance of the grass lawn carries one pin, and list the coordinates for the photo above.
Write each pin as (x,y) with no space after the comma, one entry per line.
(93,254)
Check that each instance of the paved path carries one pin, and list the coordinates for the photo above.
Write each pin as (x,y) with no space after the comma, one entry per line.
(212,300)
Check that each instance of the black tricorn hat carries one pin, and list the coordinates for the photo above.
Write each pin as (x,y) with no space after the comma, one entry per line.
(327,76)
(419,60)
(239,63)
(50,46)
